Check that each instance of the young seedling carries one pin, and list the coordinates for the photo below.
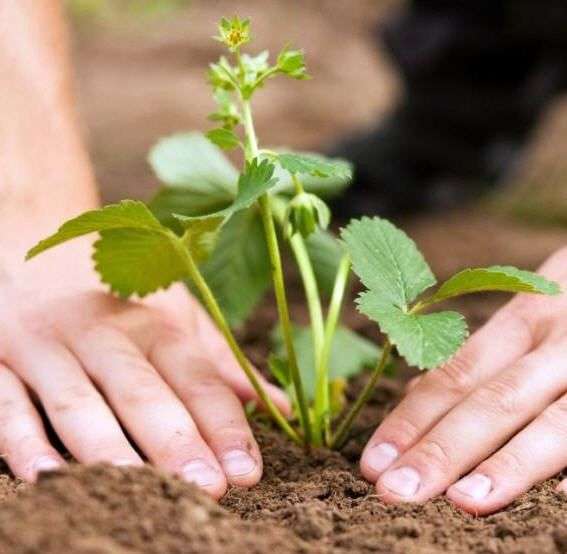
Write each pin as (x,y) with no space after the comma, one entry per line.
(221,230)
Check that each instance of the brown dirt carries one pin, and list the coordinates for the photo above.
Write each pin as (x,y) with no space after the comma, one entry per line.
(313,504)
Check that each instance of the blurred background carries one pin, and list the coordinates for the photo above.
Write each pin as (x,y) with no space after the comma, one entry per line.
(140,68)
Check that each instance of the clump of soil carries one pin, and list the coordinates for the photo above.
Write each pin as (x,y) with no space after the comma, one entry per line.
(107,510)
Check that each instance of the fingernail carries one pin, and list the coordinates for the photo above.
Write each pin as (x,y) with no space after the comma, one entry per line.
(46,463)
(200,473)
(237,463)
(477,486)
(403,481)
(381,456)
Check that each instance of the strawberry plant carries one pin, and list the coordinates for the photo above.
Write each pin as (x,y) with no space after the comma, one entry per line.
(222,231)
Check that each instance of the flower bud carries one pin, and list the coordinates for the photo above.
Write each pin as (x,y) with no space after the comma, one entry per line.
(305,213)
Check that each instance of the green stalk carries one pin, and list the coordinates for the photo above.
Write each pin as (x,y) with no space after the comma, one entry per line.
(216,313)
(342,432)
(322,400)
(311,293)
(278,279)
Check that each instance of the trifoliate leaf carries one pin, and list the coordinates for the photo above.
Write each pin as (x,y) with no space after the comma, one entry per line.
(191,162)
(314,165)
(387,261)
(325,252)
(135,254)
(350,354)
(253,183)
(126,214)
(223,138)
(495,278)
(138,261)
(238,270)
(424,340)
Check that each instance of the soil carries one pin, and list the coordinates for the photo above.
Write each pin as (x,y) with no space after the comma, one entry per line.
(315,504)
(138,82)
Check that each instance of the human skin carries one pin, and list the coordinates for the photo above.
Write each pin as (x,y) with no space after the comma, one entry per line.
(492,422)
(99,367)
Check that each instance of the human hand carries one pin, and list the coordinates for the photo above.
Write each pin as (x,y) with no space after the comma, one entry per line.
(106,371)
(495,414)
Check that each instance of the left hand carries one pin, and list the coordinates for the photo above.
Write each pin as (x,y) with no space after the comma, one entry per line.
(492,422)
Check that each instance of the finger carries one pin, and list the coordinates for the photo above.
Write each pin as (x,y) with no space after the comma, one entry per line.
(148,408)
(538,452)
(227,366)
(501,342)
(23,442)
(412,383)
(477,426)
(214,407)
(77,411)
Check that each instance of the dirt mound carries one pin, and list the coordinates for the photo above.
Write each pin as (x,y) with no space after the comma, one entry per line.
(105,510)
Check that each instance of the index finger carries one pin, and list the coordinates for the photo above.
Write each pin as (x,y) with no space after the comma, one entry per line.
(501,342)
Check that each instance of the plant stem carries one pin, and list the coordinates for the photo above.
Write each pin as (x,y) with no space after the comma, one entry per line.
(311,293)
(278,279)
(341,434)
(216,313)
(322,401)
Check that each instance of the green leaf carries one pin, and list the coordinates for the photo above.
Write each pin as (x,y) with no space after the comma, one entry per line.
(350,354)
(138,261)
(325,187)
(253,183)
(174,200)
(223,138)
(238,270)
(315,165)
(135,253)
(126,214)
(424,340)
(279,368)
(325,252)
(495,278)
(201,236)
(387,261)
(222,75)
(191,162)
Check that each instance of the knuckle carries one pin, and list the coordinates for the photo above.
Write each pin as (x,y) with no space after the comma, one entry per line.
(506,462)
(500,396)
(74,398)
(457,376)
(208,384)
(436,454)
(147,390)
(180,445)
(556,416)
(400,430)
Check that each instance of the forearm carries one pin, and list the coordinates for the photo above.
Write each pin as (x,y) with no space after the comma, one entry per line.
(45,174)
